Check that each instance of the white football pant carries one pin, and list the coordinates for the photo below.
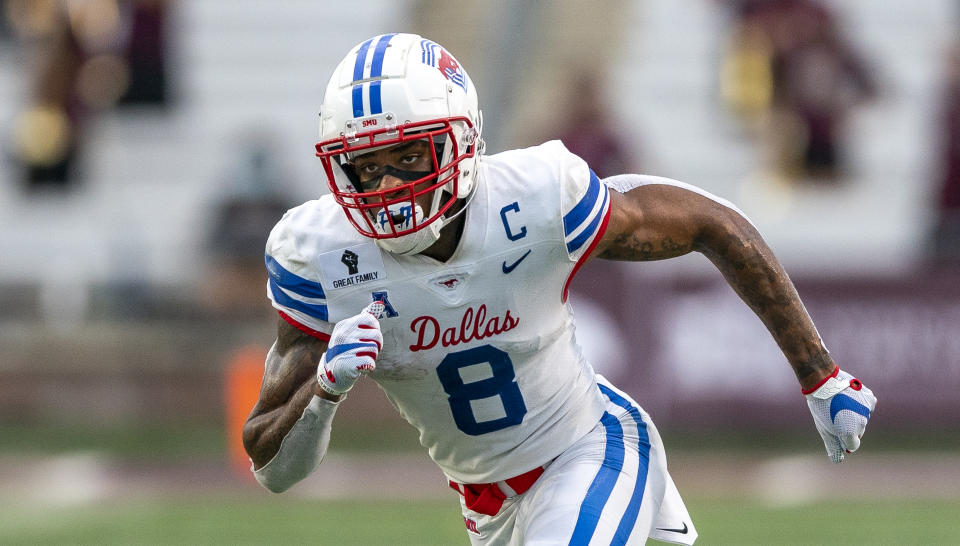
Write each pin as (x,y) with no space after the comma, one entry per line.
(610,487)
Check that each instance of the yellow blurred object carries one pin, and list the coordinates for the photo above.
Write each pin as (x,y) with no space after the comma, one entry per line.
(746,82)
(42,135)
(746,75)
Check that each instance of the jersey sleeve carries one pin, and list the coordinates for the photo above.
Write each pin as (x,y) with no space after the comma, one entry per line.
(293,285)
(584,204)
(622,183)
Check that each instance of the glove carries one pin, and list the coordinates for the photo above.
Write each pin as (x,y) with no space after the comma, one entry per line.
(353,348)
(841,406)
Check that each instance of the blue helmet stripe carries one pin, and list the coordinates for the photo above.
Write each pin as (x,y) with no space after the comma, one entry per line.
(426,52)
(358,75)
(375,106)
(361,57)
(376,70)
(376,67)
(357,101)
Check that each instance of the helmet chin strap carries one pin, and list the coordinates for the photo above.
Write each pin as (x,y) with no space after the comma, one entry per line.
(418,241)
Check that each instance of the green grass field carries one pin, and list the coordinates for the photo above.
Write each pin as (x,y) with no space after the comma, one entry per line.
(285,519)
(342,523)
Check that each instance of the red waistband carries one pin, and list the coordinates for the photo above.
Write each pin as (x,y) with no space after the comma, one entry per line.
(487,498)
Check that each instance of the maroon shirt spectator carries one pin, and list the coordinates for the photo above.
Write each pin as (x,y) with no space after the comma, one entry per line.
(591,134)
(947,231)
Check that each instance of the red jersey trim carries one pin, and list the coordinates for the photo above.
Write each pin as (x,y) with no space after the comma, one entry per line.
(322,336)
(586,255)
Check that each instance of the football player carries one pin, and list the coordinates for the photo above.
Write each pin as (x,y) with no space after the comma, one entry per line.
(442,274)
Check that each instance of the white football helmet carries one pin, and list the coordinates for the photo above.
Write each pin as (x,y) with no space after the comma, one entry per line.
(391,89)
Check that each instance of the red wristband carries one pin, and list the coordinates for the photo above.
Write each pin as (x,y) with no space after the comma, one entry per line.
(822,381)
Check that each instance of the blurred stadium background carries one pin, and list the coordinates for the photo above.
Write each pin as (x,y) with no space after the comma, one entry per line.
(149,146)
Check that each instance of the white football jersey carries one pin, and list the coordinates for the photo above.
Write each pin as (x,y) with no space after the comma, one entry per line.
(479,352)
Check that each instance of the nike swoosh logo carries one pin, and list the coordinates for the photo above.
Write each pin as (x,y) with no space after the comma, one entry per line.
(508,268)
(681,531)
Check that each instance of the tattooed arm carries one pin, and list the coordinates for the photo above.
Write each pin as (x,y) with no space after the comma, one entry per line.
(289,384)
(658,221)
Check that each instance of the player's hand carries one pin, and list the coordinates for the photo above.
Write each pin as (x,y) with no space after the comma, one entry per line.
(353,348)
(841,407)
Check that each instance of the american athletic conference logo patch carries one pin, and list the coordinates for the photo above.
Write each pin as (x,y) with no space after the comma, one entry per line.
(433,54)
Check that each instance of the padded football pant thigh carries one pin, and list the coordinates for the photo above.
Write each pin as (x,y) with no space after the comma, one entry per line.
(609,487)
(606,489)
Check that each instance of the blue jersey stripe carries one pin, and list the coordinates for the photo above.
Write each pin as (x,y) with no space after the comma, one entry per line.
(633,507)
(291,281)
(358,75)
(842,402)
(313,309)
(603,482)
(579,213)
(376,70)
(585,235)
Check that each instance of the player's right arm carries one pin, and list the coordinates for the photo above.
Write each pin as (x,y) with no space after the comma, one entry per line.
(289,384)
(304,379)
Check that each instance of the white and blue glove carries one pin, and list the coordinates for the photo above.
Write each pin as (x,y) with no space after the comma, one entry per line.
(841,406)
(352,350)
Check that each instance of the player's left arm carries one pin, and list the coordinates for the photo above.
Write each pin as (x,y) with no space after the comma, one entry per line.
(659,221)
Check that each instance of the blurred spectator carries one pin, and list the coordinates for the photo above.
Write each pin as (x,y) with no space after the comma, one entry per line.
(589,130)
(6,32)
(45,136)
(746,71)
(946,236)
(241,223)
(86,57)
(810,82)
(145,53)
